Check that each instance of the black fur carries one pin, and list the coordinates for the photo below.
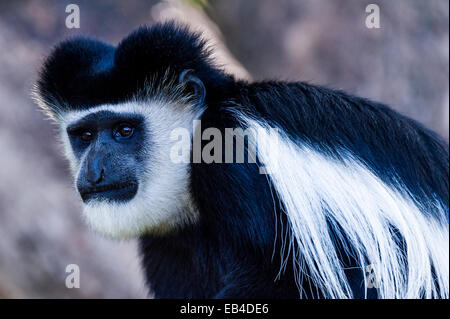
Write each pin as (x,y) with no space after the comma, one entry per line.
(234,250)
(83,72)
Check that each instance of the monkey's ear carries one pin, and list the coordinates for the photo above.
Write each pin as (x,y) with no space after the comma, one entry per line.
(194,83)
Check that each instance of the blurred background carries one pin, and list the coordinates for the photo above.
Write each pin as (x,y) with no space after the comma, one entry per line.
(405,64)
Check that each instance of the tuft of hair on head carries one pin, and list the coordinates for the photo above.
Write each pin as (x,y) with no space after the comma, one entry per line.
(82,72)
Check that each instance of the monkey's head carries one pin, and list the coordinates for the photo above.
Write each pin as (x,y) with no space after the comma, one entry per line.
(117,108)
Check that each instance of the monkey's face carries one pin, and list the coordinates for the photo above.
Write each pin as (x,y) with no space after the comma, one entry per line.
(110,149)
(120,158)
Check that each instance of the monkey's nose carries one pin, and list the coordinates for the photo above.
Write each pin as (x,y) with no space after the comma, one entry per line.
(95,177)
(95,172)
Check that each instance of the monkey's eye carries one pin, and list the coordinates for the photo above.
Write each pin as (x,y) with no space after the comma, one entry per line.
(123,131)
(87,136)
(78,133)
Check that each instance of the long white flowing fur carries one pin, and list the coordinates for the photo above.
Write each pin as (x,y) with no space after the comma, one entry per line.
(315,188)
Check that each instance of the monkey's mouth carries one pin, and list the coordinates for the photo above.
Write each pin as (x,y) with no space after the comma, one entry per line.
(114,192)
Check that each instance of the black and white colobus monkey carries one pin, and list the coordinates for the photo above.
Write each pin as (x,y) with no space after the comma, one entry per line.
(350,188)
